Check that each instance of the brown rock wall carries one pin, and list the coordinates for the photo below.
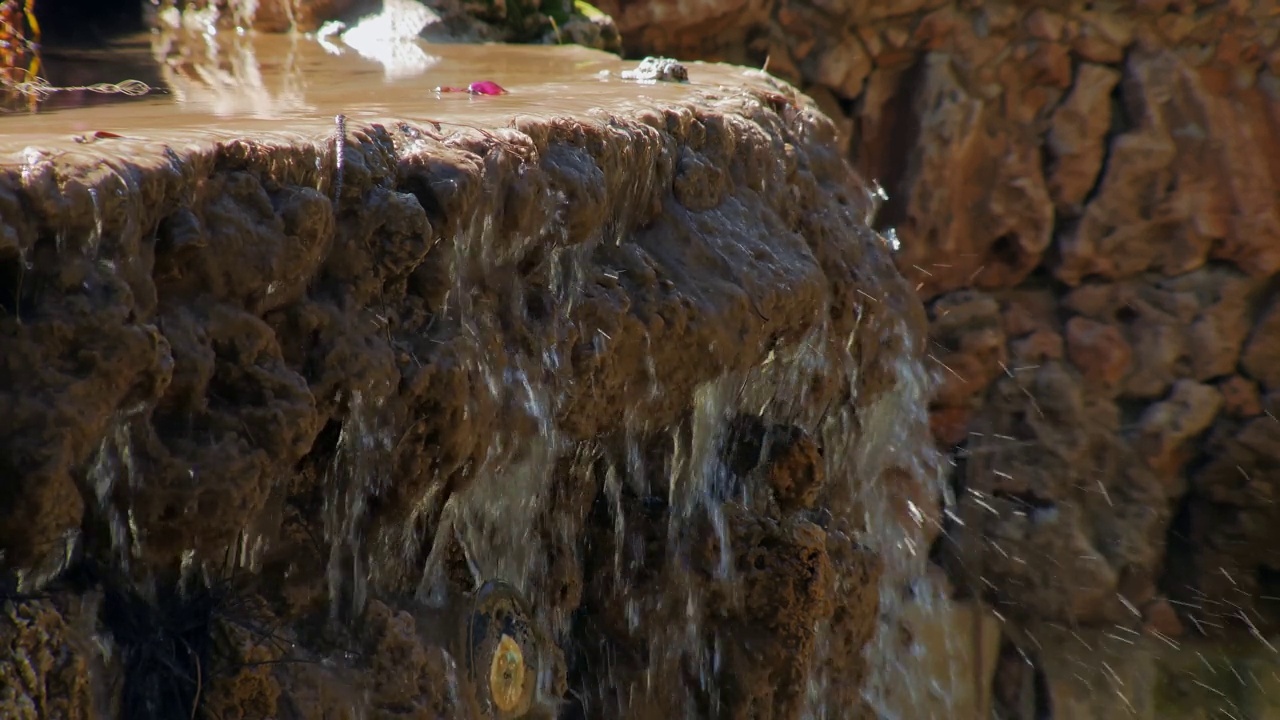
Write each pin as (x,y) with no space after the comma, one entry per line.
(287,425)
(1087,199)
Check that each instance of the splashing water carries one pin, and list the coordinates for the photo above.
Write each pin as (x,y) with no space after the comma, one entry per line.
(895,434)
(497,518)
(507,519)
(358,474)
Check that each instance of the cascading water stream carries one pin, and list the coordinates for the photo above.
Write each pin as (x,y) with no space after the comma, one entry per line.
(650,544)
(494,520)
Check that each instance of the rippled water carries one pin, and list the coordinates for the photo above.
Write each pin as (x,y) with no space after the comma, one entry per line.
(226,84)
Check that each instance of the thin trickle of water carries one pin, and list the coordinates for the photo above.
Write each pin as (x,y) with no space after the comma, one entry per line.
(114,461)
(95,235)
(895,435)
(891,239)
(699,483)
(496,512)
(495,515)
(358,473)
(876,198)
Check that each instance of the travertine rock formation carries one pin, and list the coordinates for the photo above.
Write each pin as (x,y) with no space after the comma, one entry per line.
(1087,199)
(262,414)
(1088,202)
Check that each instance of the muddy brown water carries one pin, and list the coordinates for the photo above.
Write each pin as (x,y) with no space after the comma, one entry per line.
(233,86)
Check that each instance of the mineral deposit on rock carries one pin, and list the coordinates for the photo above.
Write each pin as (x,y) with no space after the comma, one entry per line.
(630,357)
(1087,199)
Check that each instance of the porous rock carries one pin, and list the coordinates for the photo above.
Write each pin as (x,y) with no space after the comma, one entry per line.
(53,665)
(219,361)
(1106,176)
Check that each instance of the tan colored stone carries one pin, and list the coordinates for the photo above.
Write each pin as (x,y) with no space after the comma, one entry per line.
(1240,397)
(1116,27)
(896,36)
(1000,15)
(1045,24)
(830,104)
(1099,351)
(1077,134)
(1174,28)
(1167,426)
(967,326)
(871,39)
(879,10)
(1094,46)
(1189,183)
(974,193)
(797,25)
(304,15)
(1040,346)
(959,635)
(1050,65)
(938,27)
(1026,310)
(843,69)
(1192,325)
(1018,320)
(717,26)
(1092,676)
(781,63)
(1261,357)
(950,425)
(1158,616)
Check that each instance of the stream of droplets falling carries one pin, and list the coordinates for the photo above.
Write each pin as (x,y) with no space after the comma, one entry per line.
(493,516)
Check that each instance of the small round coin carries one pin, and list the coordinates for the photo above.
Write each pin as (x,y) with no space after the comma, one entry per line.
(506,675)
(501,652)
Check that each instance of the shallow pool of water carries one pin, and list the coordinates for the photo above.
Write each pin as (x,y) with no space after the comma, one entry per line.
(232,84)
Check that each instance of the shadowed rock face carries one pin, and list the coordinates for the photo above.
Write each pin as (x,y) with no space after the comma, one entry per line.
(263,433)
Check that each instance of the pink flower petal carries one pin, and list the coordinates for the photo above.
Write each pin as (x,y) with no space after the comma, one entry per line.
(486,87)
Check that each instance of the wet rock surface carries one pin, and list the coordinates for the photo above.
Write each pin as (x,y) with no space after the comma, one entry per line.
(1085,196)
(285,427)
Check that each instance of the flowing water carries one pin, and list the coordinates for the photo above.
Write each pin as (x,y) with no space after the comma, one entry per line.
(508,521)
(227,85)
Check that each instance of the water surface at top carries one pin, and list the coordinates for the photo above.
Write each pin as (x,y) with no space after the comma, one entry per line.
(233,85)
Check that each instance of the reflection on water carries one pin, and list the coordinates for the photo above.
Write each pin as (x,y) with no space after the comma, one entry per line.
(227,84)
(389,38)
(223,73)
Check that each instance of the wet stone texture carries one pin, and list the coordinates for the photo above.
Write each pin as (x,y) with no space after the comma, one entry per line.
(633,364)
(1086,200)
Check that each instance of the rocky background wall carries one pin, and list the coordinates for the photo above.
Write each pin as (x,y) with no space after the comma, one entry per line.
(1085,194)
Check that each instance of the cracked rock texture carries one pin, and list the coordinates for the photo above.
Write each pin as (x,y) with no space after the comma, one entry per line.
(250,415)
(1088,202)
